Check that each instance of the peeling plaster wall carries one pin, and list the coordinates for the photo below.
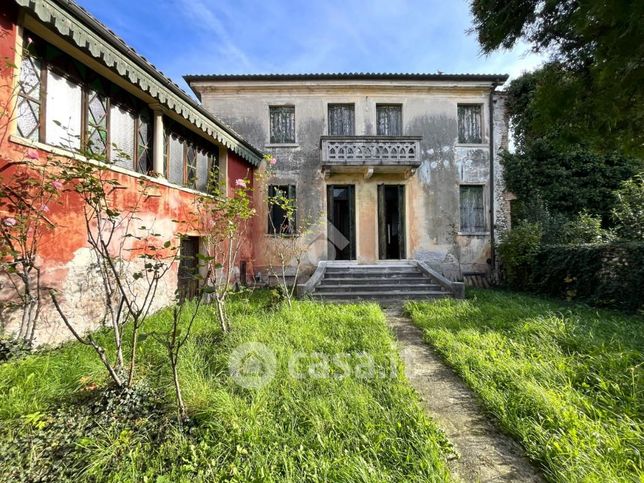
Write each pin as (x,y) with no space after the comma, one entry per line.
(432,193)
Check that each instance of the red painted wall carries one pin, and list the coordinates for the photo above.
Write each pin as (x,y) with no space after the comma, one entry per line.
(60,247)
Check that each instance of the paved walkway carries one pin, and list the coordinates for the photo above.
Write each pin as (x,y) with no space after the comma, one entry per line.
(485,453)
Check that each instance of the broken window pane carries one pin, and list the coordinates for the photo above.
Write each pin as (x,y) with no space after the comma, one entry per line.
(341,120)
(282,121)
(64,101)
(472,209)
(389,119)
(469,124)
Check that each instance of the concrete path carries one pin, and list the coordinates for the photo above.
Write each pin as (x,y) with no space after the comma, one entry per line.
(485,453)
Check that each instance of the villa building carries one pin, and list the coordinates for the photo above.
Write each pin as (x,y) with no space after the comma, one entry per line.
(401,166)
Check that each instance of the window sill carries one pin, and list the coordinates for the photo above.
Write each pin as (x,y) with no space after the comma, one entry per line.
(473,233)
(284,145)
(117,169)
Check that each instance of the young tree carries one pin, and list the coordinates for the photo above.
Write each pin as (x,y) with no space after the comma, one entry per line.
(131,260)
(28,191)
(225,218)
(290,244)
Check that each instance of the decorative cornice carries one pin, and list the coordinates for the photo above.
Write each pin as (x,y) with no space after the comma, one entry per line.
(77,26)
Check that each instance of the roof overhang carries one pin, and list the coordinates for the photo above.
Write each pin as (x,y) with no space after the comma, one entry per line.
(81,29)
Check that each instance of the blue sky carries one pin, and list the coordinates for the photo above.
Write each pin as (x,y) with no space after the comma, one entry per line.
(293,36)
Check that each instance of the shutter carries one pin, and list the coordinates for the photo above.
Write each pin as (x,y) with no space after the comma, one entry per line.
(341,119)
(472,209)
(389,120)
(469,124)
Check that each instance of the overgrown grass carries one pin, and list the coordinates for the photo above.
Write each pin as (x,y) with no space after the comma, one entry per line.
(293,429)
(565,380)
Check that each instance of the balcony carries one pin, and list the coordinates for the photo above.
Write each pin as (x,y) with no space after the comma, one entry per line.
(386,154)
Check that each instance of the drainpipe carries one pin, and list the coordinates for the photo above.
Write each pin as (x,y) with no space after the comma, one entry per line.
(492,184)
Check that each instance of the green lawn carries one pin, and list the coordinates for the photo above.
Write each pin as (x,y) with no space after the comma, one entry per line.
(565,380)
(306,429)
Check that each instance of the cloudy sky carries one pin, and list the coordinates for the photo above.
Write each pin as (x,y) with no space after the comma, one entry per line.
(294,36)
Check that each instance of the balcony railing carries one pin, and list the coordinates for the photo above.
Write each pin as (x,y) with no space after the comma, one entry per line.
(370,151)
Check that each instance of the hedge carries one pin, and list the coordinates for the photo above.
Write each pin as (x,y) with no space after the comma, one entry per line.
(605,275)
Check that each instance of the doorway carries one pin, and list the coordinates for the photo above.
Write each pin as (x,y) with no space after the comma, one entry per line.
(341,227)
(391,222)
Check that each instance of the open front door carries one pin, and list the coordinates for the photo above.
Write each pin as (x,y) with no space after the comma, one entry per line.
(391,222)
(341,227)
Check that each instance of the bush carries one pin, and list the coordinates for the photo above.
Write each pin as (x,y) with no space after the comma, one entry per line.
(605,275)
(628,213)
(13,349)
(585,228)
(517,249)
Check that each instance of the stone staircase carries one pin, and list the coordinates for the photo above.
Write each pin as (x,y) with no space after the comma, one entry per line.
(386,282)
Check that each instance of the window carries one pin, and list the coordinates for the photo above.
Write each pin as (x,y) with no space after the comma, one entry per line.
(29,97)
(175,159)
(472,209)
(389,119)
(122,136)
(279,222)
(469,124)
(188,160)
(282,119)
(63,103)
(188,273)
(64,108)
(341,120)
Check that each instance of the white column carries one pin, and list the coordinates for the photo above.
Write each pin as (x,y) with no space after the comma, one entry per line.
(157,141)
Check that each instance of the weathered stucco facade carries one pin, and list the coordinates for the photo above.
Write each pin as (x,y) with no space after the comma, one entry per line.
(431,187)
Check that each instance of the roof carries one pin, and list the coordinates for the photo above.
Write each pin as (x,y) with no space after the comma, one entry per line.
(88,33)
(494,79)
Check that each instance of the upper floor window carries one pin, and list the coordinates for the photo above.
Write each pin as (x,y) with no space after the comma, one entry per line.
(341,119)
(469,124)
(389,119)
(282,124)
(472,209)
(63,103)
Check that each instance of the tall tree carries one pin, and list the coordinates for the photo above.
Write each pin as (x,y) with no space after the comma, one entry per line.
(591,90)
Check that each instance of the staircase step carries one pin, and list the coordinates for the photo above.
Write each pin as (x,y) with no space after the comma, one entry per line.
(376,281)
(418,287)
(384,296)
(371,274)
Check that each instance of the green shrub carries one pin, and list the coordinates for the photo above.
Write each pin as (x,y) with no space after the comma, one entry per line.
(606,275)
(628,213)
(584,228)
(517,249)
